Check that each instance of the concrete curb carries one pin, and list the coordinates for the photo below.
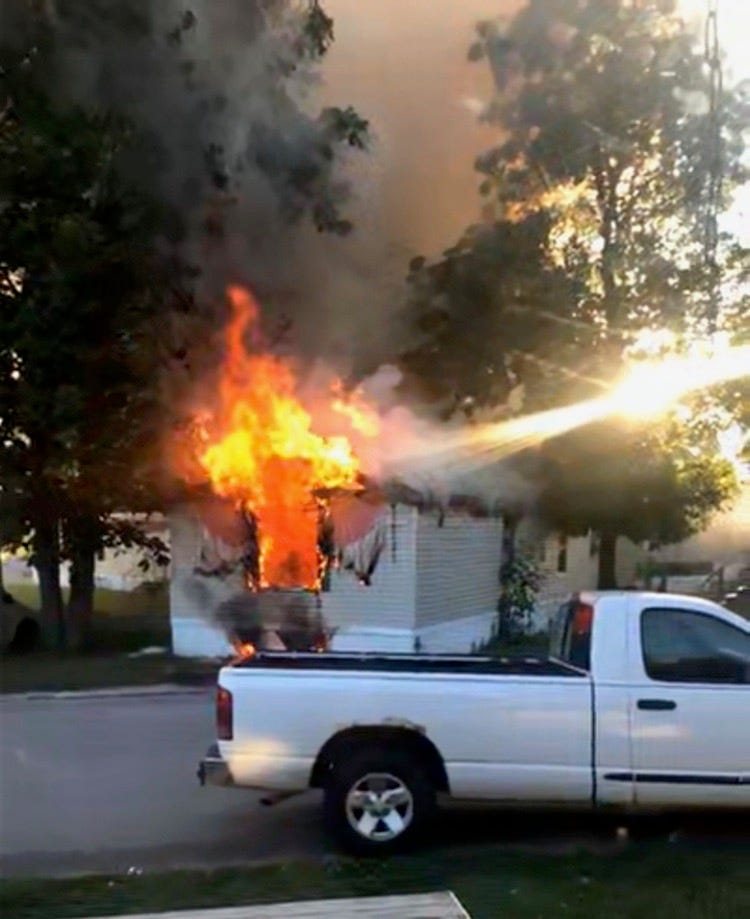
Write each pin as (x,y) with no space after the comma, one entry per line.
(116,692)
(444,905)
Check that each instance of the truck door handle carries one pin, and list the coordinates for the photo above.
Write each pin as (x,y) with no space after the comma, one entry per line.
(657,705)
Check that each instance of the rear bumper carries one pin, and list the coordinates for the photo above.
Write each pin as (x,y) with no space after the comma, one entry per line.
(213,770)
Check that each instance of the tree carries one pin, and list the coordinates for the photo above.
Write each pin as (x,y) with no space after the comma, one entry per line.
(99,319)
(81,291)
(592,250)
(646,485)
(217,95)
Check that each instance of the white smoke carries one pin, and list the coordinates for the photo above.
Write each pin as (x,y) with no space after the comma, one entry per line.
(433,457)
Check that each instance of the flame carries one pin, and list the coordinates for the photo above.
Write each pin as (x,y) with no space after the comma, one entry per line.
(263,454)
(243,649)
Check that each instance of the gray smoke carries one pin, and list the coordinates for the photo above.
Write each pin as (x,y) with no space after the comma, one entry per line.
(224,138)
(232,142)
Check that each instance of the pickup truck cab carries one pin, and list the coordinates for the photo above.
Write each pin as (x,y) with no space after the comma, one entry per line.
(642,706)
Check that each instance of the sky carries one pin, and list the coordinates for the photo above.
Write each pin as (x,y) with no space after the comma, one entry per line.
(426,135)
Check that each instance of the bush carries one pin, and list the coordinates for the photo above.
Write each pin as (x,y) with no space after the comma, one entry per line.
(520,581)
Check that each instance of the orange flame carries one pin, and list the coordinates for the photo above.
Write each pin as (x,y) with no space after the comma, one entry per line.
(243,649)
(263,454)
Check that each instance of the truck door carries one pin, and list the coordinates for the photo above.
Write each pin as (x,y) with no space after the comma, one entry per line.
(690,710)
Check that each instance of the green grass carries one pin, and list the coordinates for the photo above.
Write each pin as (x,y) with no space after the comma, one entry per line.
(124,622)
(638,883)
(50,672)
(147,600)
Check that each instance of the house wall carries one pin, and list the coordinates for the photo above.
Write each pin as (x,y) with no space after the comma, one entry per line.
(121,569)
(580,572)
(381,615)
(435,587)
(191,597)
(457,564)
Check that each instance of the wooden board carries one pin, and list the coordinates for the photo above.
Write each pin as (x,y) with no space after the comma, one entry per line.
(442,905)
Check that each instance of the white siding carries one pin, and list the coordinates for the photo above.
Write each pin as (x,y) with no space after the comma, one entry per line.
(435,587)
(385,607)
(437,592)
(458,566)
(191,599)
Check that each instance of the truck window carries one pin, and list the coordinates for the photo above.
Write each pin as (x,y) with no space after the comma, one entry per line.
(571,634)
(684,646)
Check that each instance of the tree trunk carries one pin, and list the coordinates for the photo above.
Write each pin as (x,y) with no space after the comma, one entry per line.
(83,543)
(46,545)
(607,561)
(81,603)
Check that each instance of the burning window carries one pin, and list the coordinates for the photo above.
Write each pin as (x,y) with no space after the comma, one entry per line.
(259,449)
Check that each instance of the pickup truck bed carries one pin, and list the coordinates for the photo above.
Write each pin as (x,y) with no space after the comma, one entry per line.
(408,663)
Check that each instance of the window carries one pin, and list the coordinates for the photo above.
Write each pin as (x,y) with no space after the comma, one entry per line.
(562,554)
(688,647)
(571,634)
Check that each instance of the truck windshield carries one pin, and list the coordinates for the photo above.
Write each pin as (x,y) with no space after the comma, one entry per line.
(570,640)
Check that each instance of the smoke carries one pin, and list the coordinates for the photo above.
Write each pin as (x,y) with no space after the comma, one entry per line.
(434,458)
(223,135)
(205,89)
(406,67)
(233,145)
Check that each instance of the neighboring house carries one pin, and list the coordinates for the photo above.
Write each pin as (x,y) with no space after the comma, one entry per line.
(406,577)
(571,564)
(116,569)
(722,548)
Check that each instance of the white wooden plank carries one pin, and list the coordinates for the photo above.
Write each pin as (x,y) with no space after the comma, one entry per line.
(443,905)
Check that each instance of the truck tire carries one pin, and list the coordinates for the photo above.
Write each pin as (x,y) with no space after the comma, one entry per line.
(378,801)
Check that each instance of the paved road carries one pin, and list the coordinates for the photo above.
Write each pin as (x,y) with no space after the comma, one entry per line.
(108,784)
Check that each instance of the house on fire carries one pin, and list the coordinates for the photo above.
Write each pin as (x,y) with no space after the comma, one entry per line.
(405,574)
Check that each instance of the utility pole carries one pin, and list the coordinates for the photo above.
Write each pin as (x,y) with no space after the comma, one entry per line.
(714,143)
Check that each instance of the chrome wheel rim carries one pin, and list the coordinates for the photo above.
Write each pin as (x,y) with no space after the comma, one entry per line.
(379,807)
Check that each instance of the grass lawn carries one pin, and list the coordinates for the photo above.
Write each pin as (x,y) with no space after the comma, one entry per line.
(639,883)
(50,672)
(124,622)
(56,672)
(143,601)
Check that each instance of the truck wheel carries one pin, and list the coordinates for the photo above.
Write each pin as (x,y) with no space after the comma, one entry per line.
(378,801)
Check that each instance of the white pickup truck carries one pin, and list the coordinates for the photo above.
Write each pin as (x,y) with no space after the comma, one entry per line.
(643,706)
